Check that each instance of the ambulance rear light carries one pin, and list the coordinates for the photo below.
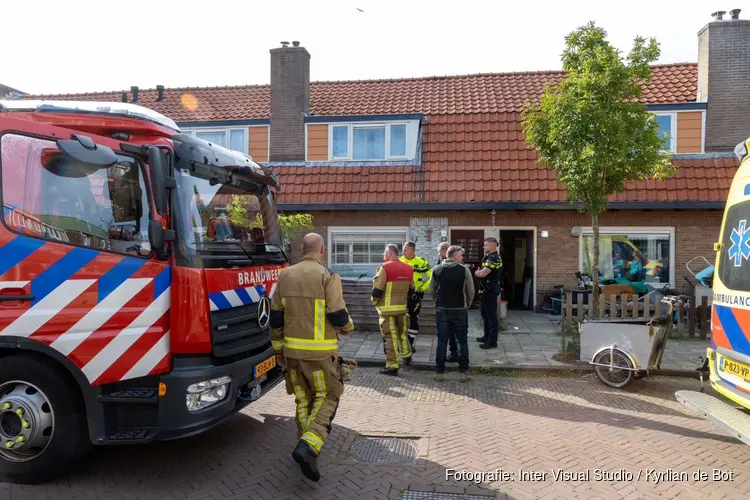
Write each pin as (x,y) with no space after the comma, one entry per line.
(97,108)
(741,150)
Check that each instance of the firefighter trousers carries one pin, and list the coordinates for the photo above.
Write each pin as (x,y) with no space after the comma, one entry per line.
(395,339)
(317,387)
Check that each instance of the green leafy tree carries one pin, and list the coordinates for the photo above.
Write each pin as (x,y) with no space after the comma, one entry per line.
(289,224)
(591,129)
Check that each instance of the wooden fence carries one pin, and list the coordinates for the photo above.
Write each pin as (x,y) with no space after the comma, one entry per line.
(365,317)
(693,320)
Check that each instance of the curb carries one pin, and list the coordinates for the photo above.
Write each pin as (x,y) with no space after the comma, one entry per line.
(581,369)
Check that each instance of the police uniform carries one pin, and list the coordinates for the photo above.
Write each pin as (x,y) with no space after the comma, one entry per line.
(391,288)
(422,274)
(489,287)
(306,310)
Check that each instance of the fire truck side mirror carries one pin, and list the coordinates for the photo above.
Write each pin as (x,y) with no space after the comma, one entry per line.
(157,235)
(160,179)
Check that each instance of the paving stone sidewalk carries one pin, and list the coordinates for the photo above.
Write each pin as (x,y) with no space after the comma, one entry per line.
(530,340)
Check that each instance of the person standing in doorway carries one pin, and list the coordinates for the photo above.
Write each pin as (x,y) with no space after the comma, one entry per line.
(442,255)
(422,271)
(452,287)
(490,272)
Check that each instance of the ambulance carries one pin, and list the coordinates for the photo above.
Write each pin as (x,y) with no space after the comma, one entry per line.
(728,359)
(121,320)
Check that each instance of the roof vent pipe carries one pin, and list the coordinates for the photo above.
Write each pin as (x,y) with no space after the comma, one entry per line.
(160,92)
(134,90)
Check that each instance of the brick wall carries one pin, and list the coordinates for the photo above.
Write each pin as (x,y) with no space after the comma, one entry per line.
(558,254)
(724,78)
(290,98)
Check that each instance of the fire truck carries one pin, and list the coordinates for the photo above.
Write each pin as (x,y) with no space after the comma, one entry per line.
(121,320)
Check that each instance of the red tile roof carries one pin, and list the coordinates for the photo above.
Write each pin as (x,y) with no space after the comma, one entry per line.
(485,93)
(483,158)
(473,148)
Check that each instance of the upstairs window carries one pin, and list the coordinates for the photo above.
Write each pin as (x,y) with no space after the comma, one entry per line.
(369,141)
(230,138)
(667,129)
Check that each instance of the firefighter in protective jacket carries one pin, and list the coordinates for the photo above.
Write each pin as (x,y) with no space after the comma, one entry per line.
(422,274)
(392,286)
(307,315)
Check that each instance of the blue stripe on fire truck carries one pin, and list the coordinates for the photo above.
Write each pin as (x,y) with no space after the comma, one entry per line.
(228,299)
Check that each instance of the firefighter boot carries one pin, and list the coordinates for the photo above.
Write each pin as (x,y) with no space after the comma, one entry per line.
(308,462)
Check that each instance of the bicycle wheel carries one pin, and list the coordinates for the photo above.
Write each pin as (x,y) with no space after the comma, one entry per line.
(621,372)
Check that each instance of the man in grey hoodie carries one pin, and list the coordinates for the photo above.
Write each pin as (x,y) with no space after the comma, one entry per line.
(452,288)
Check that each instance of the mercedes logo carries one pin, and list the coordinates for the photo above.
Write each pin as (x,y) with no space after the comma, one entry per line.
(264,312)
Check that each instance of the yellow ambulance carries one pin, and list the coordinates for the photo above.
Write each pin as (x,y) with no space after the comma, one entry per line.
(728,358)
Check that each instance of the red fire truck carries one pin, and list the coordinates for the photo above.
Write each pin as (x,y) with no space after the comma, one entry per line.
(121,320)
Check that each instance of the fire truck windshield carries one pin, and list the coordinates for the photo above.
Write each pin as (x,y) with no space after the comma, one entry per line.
(228,215)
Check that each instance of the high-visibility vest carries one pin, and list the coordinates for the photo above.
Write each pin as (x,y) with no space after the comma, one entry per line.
(422,272)
(391,287)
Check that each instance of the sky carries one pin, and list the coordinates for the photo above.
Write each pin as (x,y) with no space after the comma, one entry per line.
(108,45)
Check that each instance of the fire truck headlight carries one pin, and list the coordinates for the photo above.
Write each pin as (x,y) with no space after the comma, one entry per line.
(207,393)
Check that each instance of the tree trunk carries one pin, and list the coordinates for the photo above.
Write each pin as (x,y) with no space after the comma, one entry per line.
(594,302)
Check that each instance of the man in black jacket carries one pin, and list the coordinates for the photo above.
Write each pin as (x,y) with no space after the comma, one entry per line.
(452,288)
(452,345)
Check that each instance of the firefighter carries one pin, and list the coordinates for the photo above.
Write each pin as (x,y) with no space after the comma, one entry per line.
(308,314)
(422,273)
(392,286)
(489,287)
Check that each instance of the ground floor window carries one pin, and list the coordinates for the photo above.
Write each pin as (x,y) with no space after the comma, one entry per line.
(634,256)
(355,249)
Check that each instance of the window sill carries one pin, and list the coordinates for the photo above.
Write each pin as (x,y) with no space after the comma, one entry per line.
(346,163)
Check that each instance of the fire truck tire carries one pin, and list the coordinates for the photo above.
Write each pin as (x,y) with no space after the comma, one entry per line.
(42,420)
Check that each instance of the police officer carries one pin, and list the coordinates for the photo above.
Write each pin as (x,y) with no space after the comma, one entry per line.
(489,288)
(307,315)
(391,288)
(422,273)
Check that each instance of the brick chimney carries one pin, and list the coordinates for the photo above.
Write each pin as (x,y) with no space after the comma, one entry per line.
(724,80)
(290,101)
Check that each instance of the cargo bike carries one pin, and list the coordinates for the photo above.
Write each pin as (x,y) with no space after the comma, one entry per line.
(626,349)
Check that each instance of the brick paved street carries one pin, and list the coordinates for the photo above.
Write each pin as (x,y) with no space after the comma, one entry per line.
(529,424)
(530,340)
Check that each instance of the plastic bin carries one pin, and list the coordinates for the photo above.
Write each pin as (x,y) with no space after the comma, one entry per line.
(556,306)
(502,308)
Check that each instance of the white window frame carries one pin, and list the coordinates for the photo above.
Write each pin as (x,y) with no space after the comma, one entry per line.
(645,230)
(673,128)
(350,140)
(227,134)
(396,230)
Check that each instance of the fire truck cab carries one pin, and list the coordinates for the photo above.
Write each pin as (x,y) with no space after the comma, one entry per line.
(121,320)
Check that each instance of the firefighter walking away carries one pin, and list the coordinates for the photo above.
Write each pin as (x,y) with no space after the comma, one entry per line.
(422,273)
(307,315)
(392,286)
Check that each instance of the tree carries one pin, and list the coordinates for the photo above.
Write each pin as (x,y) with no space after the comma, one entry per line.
(591,129)
(289,224)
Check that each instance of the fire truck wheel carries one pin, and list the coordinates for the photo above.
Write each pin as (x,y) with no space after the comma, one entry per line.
(42,422)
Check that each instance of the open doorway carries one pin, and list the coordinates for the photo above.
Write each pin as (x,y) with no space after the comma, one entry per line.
(517,251)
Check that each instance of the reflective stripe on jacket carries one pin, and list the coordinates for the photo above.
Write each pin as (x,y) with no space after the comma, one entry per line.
(422,272)
(306,309)
(391,287)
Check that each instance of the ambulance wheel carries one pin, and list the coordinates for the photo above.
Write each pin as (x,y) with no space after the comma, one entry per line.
(42,422)
(621,372)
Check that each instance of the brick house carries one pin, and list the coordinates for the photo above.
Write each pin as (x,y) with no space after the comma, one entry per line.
(427,159)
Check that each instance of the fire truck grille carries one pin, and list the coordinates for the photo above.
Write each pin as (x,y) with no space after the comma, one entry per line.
(236,330)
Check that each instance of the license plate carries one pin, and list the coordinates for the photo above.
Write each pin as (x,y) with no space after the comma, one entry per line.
(263,367)
(735,368)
